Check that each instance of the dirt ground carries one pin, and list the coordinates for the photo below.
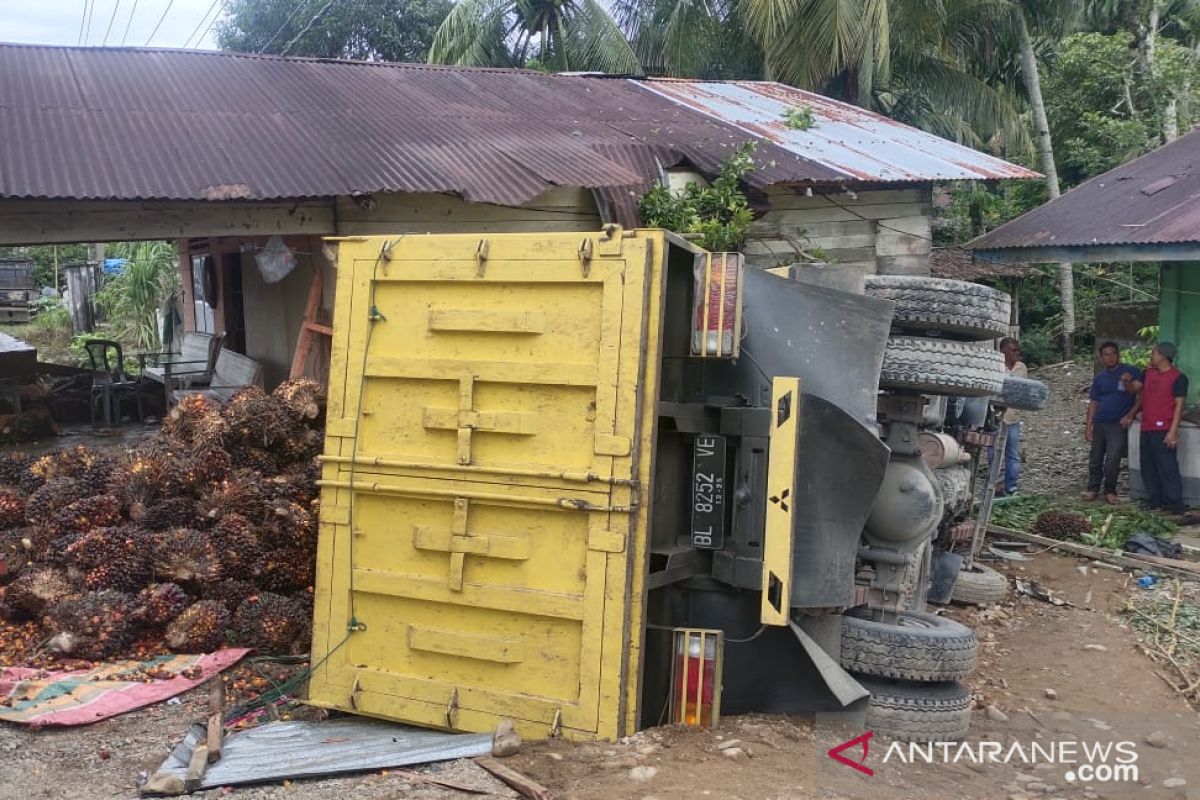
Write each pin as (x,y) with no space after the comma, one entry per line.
(1071,673)
(1109,694)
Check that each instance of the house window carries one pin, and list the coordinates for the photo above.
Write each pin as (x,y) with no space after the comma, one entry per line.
(204,292)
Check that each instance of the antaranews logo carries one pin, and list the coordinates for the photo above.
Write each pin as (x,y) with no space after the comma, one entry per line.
(1083,761)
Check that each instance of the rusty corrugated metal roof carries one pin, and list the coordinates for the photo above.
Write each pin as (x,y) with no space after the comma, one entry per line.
(1154,199)
(856,143)
(123,123)
(958,264)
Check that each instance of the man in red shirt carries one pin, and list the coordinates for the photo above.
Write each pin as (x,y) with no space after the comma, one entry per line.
(1161,394)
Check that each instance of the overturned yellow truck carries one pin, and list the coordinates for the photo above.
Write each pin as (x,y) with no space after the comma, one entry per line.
(593,483)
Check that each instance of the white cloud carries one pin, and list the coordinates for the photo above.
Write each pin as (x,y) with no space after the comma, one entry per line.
(58,22)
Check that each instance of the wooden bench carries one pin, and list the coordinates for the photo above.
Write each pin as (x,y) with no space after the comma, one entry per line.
(233,371)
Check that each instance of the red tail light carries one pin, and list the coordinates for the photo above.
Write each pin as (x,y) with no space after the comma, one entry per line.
(717,314)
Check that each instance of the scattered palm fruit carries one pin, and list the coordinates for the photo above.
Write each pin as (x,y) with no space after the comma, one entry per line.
(1061,525)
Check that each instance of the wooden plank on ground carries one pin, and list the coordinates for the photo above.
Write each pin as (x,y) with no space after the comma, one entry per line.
(1176,568)
(526,787)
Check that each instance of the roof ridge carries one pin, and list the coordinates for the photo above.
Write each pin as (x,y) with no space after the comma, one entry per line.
(413,65)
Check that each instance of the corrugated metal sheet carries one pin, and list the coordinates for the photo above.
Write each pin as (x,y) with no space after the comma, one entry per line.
(1154,199)
(856,143)
(116,123)
(957,264)
(289,750)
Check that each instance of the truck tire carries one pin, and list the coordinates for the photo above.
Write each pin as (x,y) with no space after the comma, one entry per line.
(955,309)
(917,712)
(935,366)
(920,647)
(979,586)
(1022,393)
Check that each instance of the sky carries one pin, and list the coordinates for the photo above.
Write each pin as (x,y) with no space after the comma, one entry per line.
(59,22)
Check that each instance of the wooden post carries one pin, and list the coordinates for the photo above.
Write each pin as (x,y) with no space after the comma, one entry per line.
(216,710)
(79,288)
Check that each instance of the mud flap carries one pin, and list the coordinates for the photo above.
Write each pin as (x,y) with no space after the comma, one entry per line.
(841,684)
(943,572)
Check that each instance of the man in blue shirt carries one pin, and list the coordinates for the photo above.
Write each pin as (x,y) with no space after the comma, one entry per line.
(1109,414)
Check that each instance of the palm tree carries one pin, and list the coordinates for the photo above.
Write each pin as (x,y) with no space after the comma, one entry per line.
(560,35)
(911,59)
(703,39)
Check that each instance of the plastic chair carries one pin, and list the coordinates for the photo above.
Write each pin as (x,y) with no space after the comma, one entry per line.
(109,380)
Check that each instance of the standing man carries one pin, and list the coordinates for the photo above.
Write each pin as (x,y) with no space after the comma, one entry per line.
(1112,399)
(1012,446)
(1161,394)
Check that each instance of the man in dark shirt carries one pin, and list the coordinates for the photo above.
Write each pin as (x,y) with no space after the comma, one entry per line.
(1161,394)
(1107,418)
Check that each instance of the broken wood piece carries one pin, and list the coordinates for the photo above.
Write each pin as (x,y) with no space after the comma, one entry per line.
(196,767)
(429,779)
(1127,560)
(216,738)
(526,787)
(216,711)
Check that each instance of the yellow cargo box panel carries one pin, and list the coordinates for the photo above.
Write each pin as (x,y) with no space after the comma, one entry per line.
(481,520)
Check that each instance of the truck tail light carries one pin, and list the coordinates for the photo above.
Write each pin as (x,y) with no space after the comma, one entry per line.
(696,677)
(717,314)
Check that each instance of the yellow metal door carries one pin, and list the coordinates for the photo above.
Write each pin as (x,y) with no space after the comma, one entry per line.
(479,505)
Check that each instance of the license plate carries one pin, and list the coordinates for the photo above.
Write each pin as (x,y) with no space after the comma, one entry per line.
(708,492)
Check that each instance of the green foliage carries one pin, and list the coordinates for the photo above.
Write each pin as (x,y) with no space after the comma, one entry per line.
(133,298)
(388,30)
(799,118)
(51,316)
(563,35)
(1139,355)
(717,216)
(688,38)
(1111,525)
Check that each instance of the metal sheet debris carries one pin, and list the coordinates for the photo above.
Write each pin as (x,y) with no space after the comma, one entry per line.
(288,750)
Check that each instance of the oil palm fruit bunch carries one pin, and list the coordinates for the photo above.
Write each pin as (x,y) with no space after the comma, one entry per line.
(199,628)
(291,525)
(191,420)
(185,555)
(12,508)
(287,570)
(242,493)
(33,590)
(173,512)
(141,480)
(127,568)
(53,496)
(237,548)
(271,623)
(94,626)
(196,471)
(14,469)
(255,420)
(16,550)
(85,514)
(1061,525)
(158,604)
(303,398)
(229,593)
(255,458)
